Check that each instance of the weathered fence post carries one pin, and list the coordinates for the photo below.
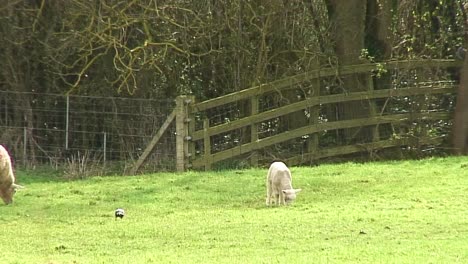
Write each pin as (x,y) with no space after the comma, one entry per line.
(314,116)
(190,123)
(182,137)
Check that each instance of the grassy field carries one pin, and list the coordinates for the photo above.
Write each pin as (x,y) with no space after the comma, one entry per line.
(391,212)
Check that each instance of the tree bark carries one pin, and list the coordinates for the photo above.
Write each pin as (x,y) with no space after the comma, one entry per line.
(379,23)
(349,19)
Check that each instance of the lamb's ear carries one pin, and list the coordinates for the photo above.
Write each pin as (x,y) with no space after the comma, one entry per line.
(297,190)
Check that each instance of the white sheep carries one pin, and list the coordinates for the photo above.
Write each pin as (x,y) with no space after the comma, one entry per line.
(279,184)
(7,178)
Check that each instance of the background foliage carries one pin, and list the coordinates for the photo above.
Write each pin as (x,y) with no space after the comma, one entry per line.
(208,48)
(157,49)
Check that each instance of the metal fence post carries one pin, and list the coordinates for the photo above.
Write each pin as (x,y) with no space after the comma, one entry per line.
(104,146)
(25,140)
(67,114)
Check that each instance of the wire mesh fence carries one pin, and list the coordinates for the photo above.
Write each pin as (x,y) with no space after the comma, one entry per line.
(76,131)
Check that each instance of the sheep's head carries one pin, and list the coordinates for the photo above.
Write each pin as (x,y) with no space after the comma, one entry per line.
(7,193)
(290,195)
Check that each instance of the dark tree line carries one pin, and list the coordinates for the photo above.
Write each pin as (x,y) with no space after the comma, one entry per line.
(164,48)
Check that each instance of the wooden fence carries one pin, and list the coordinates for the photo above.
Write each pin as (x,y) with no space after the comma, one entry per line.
(195,130)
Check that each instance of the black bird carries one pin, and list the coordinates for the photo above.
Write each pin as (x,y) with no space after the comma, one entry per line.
(119,213)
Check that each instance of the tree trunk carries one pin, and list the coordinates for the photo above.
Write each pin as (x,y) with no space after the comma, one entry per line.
(349,19)
(379,31)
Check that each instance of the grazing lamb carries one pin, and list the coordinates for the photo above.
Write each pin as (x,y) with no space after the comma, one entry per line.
(7,178)
(279,184)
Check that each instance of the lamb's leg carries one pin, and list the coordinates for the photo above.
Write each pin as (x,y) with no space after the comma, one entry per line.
(269,191)
(281,200)
(277,199)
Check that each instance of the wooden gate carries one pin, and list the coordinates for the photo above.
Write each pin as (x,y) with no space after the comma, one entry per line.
(206,135)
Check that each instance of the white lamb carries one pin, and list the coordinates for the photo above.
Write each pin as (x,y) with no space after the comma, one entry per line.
(279,184)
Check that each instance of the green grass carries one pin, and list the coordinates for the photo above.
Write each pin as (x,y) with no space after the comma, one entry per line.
(392,212)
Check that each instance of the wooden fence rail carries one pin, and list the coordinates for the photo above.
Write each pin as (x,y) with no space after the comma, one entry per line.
(262,143)
(321,73)
(314,101)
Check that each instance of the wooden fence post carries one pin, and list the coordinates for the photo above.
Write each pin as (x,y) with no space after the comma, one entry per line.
(190,129)
(314,115)
(182,137)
